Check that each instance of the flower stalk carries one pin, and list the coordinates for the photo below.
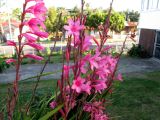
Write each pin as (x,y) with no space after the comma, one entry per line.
(29,40)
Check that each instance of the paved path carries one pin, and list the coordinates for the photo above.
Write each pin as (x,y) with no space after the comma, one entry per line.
(127,65)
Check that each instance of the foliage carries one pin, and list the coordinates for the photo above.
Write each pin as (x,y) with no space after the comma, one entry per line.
(3,64)
(117,21)
(138,51)
(52,19)
(16,13)
(96,18)
(74,12)
(132,16)
(45,90)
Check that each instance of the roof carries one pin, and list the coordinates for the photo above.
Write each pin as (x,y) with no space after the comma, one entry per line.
(14,23)
(131,24)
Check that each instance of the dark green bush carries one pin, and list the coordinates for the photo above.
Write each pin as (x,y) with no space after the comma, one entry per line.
(3,64)
(138,51)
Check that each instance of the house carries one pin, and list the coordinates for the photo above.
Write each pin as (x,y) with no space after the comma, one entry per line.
(149,25)
(14,29)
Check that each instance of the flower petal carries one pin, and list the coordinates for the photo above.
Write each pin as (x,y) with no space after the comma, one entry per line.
(8,61)
(35,57)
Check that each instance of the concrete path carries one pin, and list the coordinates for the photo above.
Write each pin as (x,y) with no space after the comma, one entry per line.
(127,65)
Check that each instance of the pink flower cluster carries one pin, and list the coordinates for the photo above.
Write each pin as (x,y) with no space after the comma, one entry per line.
(53,104)
(98,67)
(96,110)
(93,69)
(36,29)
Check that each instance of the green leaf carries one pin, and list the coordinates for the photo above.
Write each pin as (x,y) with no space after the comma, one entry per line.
(49,114)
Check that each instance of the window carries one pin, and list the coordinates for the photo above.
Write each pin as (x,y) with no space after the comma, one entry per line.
(150,4)
(144,4)
(153,4)
(158,4)
(157,47)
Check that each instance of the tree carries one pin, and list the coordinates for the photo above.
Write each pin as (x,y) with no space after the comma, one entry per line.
(75,11)
(132,16)
(95,18)
(117,21)
(51,19)
(64,17)
(16,13)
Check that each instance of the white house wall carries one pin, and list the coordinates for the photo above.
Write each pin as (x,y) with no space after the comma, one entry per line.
(150,19)
(150,14)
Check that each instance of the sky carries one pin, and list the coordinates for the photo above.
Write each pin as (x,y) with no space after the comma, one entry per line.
(118,5)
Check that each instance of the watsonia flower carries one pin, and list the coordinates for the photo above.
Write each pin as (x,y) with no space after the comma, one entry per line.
(74,27)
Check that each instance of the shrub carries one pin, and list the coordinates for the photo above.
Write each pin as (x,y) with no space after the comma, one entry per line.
(138,51)
(3,64)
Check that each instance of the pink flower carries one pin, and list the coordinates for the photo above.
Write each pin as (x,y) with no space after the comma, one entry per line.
(34,45)
(119,77)
(33,0)
(35,24)
(103,72)
(87,107)
(71,101)
(86,43)
(83,62)
(87,88)
(74,27)
(40,34)
(33,57)
(53,104)
(96,110)
(100,116)
(94,60)
(78,84)
(38,10)
(111,61)
(8,61)
(82,66)
(99,85)
(29,37)
(96,41)
(11,43)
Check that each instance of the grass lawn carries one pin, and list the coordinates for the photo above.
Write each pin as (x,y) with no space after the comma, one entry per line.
(137,98)
(45,88)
